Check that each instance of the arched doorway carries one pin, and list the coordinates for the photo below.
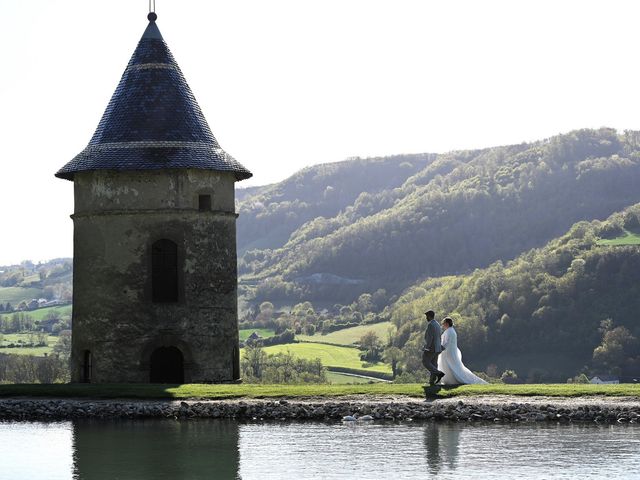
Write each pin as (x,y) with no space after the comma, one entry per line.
(167,365)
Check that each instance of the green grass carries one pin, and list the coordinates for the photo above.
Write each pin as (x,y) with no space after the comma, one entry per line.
(533,390)
(349,336)
(14,337)
(201,391)
(342,379)
(31,279)
(37,351)
(629,238)
(15,295)
(263,332)
(329,355)
(40,313)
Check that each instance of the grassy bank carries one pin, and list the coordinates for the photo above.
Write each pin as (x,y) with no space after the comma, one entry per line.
(349,336)
(629,238)
(330,356)
(15,295)
(201,391)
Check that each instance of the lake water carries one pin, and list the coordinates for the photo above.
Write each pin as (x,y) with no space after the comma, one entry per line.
(217,449)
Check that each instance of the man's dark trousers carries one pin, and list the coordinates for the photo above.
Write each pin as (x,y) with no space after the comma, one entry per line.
(430,362)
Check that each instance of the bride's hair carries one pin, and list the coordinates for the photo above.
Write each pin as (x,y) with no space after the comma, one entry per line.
(448,321)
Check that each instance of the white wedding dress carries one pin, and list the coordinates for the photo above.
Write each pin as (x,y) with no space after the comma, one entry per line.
(450,362)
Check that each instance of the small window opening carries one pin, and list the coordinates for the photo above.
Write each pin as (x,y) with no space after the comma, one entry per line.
(164,271)
(86,367)
(235,362)
(204,203)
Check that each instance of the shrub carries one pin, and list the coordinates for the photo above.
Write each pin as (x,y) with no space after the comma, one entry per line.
(510,377)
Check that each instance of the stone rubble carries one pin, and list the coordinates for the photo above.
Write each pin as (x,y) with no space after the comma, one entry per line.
(287,410)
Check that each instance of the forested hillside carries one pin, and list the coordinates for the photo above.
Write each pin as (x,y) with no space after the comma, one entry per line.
(19,284)
(547,314)
(361,242)
(455,212)
(269,214)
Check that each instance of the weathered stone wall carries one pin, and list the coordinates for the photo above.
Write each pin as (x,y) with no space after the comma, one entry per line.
(318,410)
(118,216)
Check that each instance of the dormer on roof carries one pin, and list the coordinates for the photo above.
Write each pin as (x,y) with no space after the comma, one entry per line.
(153,121)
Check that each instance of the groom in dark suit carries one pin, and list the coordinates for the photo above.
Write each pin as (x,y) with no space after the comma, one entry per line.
(432,348)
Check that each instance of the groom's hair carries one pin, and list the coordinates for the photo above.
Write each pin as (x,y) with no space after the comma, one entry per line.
(430,314)
(448,321)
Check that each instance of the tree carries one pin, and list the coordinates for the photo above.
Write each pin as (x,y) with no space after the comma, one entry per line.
(510,376)
(51,369)
(582,378)
(369,340)
(492,370)
(52,317)
(365,303)
(63,345)
(266,313)
(256,359)
(393,356)
(617,347)
(371,345)
(42,339)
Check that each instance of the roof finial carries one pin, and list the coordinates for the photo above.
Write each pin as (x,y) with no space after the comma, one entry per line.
(152,11)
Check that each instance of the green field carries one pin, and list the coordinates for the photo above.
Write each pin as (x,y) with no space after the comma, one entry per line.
(39,314)
(14,337)
(329,355)
(35,278)
(263,332)
(349,336)
(629,238)
(15,295)
(37,351)
(206,391)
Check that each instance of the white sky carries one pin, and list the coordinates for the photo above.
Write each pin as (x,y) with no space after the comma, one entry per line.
(290,83)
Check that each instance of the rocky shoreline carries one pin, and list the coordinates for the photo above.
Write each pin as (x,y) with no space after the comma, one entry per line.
(474,409)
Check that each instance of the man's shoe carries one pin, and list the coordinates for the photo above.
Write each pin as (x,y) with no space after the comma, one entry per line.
(440,375)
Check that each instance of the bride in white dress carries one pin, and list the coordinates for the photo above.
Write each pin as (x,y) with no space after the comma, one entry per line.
(450,360)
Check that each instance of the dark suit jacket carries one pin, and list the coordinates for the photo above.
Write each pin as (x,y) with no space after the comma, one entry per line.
(432,337)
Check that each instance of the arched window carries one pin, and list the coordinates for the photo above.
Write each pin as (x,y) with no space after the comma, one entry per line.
(164,271)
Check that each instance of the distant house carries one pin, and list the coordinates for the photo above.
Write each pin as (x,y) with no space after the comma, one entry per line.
(604,379)
(253,337)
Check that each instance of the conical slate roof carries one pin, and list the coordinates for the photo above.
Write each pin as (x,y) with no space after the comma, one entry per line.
(153,121)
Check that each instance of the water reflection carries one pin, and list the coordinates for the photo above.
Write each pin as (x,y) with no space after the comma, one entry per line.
(36,450)
(441,446)
(217,449)
(155,449)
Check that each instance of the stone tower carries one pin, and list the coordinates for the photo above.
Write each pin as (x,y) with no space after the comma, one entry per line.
(155,279)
